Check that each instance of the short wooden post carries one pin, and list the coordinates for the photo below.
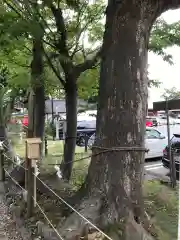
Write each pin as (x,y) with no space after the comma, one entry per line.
(86,142)
(85,232)
(33,153)
(173,170)
(26,167)
(2,172)
(45,146)
(31,193)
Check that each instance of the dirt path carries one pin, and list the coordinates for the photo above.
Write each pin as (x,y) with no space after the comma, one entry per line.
(8,229)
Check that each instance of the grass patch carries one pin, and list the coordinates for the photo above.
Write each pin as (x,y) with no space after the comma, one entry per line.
(161,203)
(55,156)
(54,147)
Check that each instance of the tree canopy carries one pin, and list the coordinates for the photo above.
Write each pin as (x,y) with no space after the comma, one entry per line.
(84,25)
(171,93)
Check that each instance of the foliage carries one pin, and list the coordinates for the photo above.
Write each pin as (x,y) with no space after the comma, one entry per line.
(3,75)
(84,28)
(50,129)
(154,83)
(164,35)
(16,45)
(172,93)
(6,98)
(88,84)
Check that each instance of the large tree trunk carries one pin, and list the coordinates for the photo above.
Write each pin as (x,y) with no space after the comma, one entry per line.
(71,126)
(114,182)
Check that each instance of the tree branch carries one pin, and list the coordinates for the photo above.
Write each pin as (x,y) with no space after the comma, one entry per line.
(168,5)
(60,24)
(88,64)
(53,68)
(10,5)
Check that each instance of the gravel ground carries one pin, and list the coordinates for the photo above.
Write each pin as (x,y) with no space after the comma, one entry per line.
(8,229)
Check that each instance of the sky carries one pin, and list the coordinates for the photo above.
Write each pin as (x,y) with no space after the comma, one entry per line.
(169,75)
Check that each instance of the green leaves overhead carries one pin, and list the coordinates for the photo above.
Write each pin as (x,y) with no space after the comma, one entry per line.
(88,84)
(83,28)
(164,35)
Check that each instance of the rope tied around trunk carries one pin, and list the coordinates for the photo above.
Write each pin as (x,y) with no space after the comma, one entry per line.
(128,149)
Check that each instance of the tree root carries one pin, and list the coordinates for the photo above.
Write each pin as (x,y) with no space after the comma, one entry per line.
(76,227)
(148,225)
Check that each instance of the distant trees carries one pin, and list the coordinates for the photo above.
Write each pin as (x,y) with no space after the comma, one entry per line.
(172,93)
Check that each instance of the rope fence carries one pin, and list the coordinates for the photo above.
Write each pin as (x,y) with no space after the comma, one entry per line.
(31,176)
(4,157)
(41,210)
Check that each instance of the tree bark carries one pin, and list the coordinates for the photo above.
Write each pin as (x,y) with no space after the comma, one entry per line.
(117,175)
(71,126)
(39,111)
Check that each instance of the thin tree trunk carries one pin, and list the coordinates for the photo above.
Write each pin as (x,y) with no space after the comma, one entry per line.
(113,187)
(31,110)
(37,96)
(39,112)
(71,126)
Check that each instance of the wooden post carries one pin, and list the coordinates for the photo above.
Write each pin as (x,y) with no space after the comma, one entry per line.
(173,170)
(86,142)
(2,172)
(31,194)
(33,153)
(45,146)
(52,113)
(26,167)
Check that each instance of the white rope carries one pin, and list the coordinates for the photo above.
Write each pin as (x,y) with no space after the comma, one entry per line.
(4,145)
(79,214)
(44,214)
(15,163)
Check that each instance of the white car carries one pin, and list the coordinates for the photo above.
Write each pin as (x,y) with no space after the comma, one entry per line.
(177,120)
(162,120)
(155,141)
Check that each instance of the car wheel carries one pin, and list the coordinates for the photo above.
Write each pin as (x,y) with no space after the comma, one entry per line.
(81,141)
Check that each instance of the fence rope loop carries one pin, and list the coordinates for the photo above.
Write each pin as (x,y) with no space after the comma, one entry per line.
(125,148)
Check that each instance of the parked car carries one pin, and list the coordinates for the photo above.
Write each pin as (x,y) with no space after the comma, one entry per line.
(177,120)
(175,146)
(85,129)
(149,122)
(84,135)
(153,120)
(84,121)
(162,120)
(86,124)
(25,121)
(155,141)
